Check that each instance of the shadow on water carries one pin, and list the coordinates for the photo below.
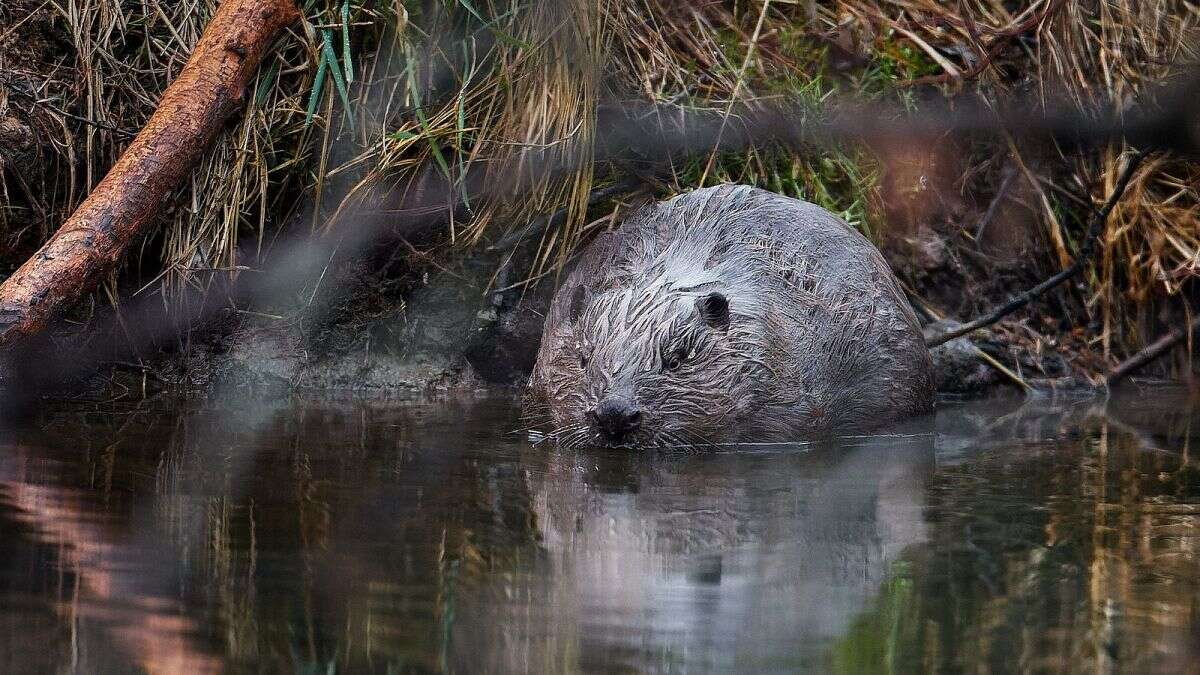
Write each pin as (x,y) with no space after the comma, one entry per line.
(376,535)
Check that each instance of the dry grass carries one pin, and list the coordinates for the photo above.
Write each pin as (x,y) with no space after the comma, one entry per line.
(101,90)
(491,85)
(1093,54)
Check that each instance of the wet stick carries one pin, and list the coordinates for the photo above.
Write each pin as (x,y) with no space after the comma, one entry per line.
(128,201)
(1152,352)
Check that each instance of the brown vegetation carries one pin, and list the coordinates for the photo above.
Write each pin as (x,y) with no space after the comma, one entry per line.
(367,95)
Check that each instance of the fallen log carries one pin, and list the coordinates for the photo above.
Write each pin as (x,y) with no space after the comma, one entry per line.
(128,201)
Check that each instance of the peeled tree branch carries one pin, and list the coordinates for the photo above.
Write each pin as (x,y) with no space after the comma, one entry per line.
(128,201)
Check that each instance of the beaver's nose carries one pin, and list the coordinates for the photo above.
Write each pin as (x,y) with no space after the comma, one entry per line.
(617,417)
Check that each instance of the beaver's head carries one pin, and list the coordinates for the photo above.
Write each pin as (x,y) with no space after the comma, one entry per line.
(645,365)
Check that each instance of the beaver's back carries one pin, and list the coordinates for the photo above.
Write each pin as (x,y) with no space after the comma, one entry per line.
(839,341)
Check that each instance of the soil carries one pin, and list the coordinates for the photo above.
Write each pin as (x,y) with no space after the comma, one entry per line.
(438,324)
(440,328)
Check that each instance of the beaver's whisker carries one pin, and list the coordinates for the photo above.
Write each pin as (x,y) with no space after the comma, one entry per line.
(570,441)
(566,431)
(572,436)
(585,436)
(666,439)
(554,435)
(703,442)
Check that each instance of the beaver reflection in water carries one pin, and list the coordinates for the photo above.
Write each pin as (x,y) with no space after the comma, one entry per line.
(728,313)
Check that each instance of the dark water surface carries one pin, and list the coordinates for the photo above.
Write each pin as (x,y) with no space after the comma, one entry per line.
(389,536)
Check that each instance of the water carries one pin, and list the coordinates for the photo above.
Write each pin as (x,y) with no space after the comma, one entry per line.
(391,536)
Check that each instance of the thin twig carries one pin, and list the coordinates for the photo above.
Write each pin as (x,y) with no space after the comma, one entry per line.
(124,133)
(1001,368)
(737,88)
(937,315)
(1084,255)
(1001,193)
(539,225)
(13,29)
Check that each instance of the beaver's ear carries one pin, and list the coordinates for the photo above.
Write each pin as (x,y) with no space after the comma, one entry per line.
(714,310)
(578,303)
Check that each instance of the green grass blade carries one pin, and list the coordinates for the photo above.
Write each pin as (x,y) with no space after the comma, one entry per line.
(419,109)
(315,95)
(346,60)
(264,85)
(433,146)
(502,35)
(474,12)
(338,81)
(461,123)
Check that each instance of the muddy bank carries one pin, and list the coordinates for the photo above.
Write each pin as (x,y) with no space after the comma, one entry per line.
(412,319)
(453,330)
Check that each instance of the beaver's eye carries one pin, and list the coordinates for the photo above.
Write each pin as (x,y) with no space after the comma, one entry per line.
(673,359)
(583,360)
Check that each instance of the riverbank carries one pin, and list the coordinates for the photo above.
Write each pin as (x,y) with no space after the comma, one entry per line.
(423,101)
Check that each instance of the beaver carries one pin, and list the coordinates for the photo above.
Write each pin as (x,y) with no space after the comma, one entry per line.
(728,313)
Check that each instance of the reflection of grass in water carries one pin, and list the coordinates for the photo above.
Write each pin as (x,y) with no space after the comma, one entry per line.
(276,605)
(448,577)
(1042,555)
(874,642)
